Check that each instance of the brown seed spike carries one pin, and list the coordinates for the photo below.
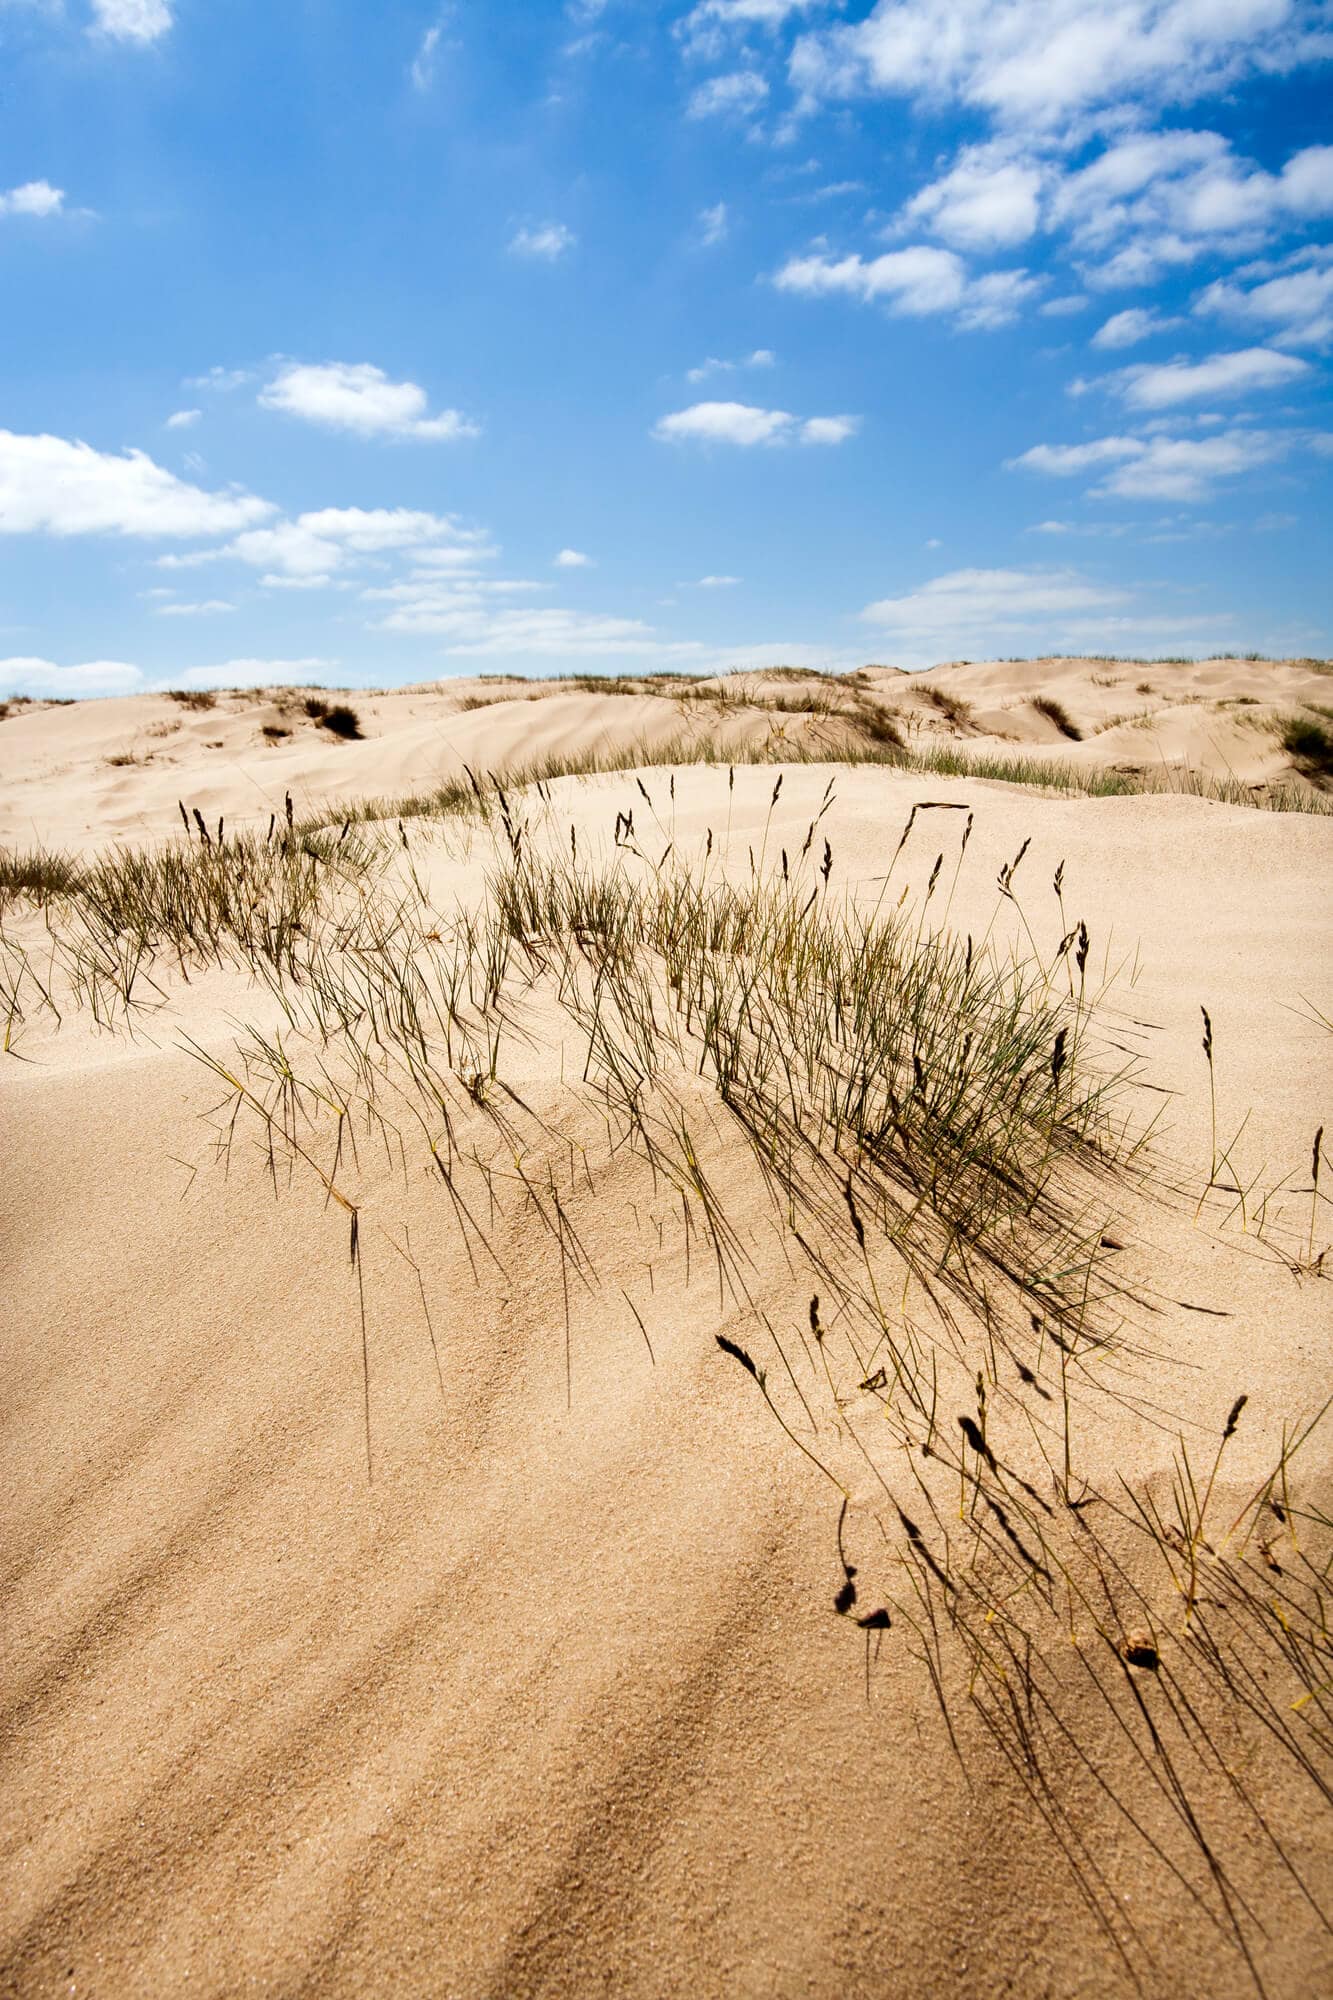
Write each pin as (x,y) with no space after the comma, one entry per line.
(845,1598)
(1236,1409)
(875,1621)
(737,1354)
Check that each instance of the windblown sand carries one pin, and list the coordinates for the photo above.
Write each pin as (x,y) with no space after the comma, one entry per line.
(487,1646)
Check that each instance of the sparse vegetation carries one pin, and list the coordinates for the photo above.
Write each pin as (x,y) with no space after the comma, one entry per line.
(199,698)
(1056,712)
(954,706)
(1309,744)
(936,1127)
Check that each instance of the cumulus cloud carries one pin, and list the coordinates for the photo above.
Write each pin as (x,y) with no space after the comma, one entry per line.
(1146,387)
(316,544)
(987,600)
(206,608)
(982,203)
(546,243)
(43,678)
(36,198)
(573,559)
(61,486)
(183,420)
(916,281)
(762,357)
(356,397)
(132,20)
(256,673)
(1152,201)
(1041,62)
(705,25)
(746,424)
(470,623)
(829,430)
(1126,329)
(736,96)
(1161,467)
(1296,304)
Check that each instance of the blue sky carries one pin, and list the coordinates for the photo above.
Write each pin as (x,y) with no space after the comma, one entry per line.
(373,343)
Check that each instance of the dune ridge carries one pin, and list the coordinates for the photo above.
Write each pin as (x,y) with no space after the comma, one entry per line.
(80,774)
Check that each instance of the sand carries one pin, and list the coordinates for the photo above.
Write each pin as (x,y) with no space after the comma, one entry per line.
(490,1649)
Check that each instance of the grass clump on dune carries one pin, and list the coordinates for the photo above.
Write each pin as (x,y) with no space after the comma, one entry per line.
(1309,744)
(38,873)
(1056,712)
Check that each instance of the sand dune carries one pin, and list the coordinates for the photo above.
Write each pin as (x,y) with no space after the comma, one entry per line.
(457,1618)
(90,771)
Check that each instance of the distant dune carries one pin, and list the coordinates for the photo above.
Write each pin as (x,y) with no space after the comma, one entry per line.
(89,771)
(691,1379)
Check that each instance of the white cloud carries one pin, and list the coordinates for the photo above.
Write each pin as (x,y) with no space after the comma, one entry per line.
(253,673)
(547,242)
(711,27)
(422,71)
(221,380)
(762,357)
(713,583)
(1189,469)
(1297,304)
(829,430)
(745,424)
(982,203)
(132,20)
(1165,198)
(1063,460)
(1161,467)
(1040,62)
(207,608)
(356,397)
(470,625)
(43,678)
(968,601)
(736,96)
(1071,302)
(183,420)
(37,198)
(316,544)
(725,423)
(1146,387)
(573,559)
(714,223)
(1126,329)
(916,282)
(61,486)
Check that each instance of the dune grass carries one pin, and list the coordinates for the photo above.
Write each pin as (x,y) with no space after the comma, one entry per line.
(938,1127)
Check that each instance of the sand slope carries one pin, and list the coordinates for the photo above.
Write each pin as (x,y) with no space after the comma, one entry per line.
(509,1665)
